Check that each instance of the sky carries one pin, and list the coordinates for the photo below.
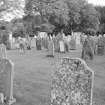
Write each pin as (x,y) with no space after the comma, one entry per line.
(97,2)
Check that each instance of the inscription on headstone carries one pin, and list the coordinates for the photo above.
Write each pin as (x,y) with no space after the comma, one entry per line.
(72,83)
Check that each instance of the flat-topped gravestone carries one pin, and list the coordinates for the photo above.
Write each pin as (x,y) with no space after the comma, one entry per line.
(6,80)
(72,83)
(3,53)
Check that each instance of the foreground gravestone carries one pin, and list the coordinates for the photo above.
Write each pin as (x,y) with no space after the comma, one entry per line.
(6,81)
(72,83)
(3,53)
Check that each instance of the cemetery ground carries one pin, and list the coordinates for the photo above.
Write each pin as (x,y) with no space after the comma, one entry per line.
(33,72)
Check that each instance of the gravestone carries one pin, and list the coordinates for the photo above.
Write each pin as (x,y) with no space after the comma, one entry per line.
(33,43)
(62,46)
(72,43)
(3,53)
(38,43)
(88,50)
(6,81)
(66,46)
(45,42)
(101,46)
(56,45)
(72,83)
(50,48)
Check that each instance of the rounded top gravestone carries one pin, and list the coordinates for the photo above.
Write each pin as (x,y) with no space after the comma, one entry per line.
(72,83)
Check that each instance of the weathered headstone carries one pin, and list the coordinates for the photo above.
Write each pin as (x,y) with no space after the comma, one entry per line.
(6,80)
(73,43)
(50,48)
(38,43)
(3,53)
(72,83)
(56,45)
(62,46)
(33,43)
(45,42)
(88,50)
(101,46)
(66,46)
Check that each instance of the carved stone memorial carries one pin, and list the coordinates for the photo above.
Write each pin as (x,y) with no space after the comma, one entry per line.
(72,83)
(6,81)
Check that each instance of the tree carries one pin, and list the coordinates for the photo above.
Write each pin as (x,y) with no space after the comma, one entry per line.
(101,11)
(89,18)
(11,8)
(71,15)
(55,11)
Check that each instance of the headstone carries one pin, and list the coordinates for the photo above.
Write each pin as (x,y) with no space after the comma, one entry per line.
(72,44)
(96,44)
(50,48)
(66,46)
(101,46)
(38,43)
(88,50)
(3,53)
(56,45)
(6,80)
(62,46)
(45,42)
(72,83)
(33,43)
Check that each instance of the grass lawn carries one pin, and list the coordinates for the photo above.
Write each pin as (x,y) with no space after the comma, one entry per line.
(33,76)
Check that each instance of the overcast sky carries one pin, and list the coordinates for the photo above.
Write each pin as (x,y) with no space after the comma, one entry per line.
(97,2)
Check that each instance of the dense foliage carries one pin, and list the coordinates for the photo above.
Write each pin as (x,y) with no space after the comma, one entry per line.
(55,15)
(67,14)
(101,11)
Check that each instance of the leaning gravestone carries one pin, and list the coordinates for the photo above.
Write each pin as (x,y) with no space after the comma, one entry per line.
(72,83)
(6,81)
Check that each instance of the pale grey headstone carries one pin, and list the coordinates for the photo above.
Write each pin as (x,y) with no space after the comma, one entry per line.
(6,80)
(72,83)
(3,53)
